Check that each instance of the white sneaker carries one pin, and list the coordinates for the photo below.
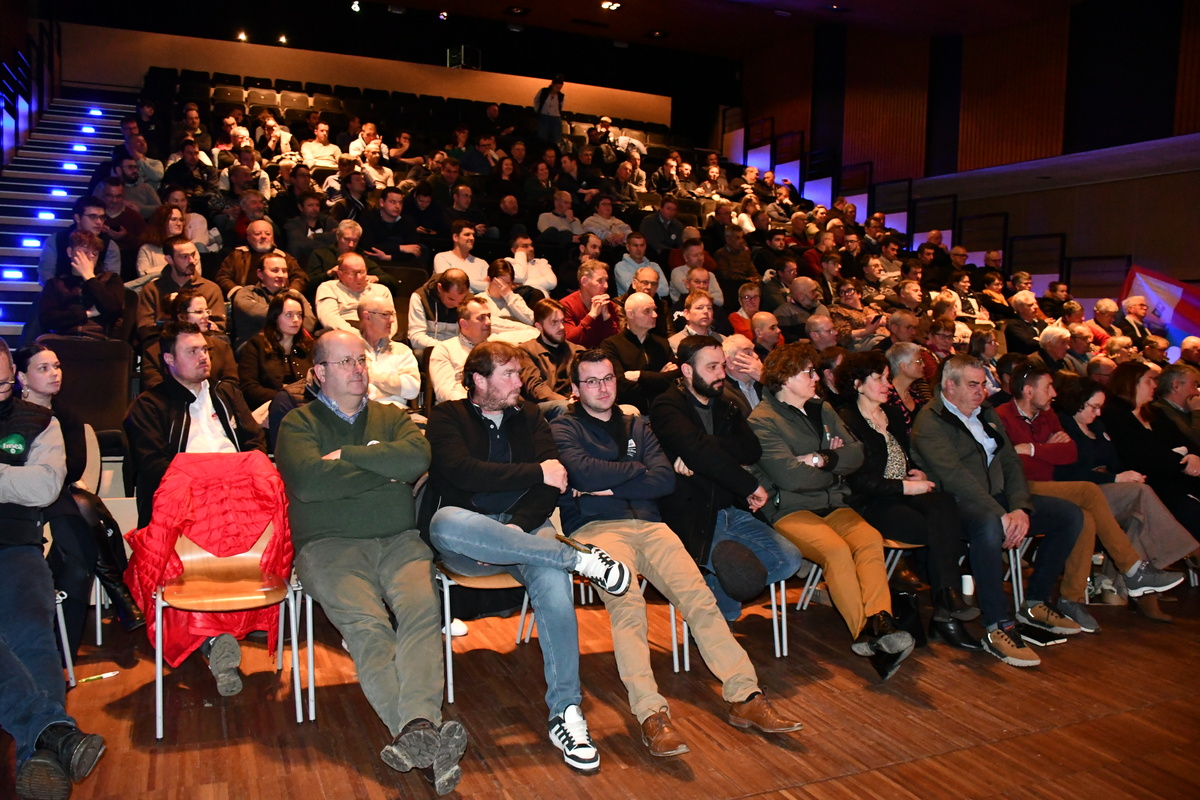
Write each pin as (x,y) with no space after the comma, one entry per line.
(569,733)
(603,570)
(457,628)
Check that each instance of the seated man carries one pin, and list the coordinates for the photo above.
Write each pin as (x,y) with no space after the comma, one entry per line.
(309,231)
(51,750)
(240,266)
(433,309)
(319,152)
(634,260)
(250,303)
(1038,437)
(509,311)
(643,358)
(462,234)
(662,231)
(348,465)
(559,226)
(448,356)
(695,258)
(198,180)
(646,281)
(617,470)
(495,478)
(960,444)
(88,214)
(182,272)
(697,319)
(530,272)
(322,264)
(285,205)
(461,208)
(1053,345)
(708,440)
(546,360)
(803,301)
(589,312)
(388,236)
(1021,334)
(337,301)
(743,373)
(1177,398)
(391,368)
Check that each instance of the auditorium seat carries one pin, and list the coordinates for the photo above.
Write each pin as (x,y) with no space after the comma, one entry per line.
(284,85)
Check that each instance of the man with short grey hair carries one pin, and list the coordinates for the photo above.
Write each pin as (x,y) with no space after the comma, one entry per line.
(1133,324)
(1021,334)
(391,367)
(1053,345)
(1079,348)
(643,358)
(1189,351)
(1178,398)
(337,301)
(803,301)
(1101,323)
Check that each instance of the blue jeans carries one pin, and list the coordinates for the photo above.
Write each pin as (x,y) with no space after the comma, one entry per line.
(1059,523)
(476,544)
(32,689)
(780,557)
(549,129)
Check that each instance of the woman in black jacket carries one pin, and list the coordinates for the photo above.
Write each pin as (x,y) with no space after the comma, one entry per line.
(896,498)
(282,353)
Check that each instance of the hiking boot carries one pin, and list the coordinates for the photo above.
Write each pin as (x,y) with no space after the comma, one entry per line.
(224,657)
(1079,613)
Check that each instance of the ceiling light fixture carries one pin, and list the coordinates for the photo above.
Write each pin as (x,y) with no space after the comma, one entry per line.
(516,11)
(609,5)
(241,37)
(282,39)
(355,6)
(657,34)
(443,15)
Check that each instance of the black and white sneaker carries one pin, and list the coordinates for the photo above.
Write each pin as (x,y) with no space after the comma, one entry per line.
(599,567)
(569,733)
(1148,579)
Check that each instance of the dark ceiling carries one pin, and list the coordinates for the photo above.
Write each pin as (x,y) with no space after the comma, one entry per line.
(733,28)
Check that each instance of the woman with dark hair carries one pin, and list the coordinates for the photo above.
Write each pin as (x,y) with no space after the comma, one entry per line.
(969,309)
(538,187)
(503,179)
(86,540)
(86,301)
(423,210)
(281,354)
(827,363)
(992,297)
(1158,527)
(983,346)
(896,498)
(188,305)
(857,323)
(807,454)
(167,221)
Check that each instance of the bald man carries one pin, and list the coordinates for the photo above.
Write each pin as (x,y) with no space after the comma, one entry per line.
(804,300)
(766,333)
(240,268)
(642,360)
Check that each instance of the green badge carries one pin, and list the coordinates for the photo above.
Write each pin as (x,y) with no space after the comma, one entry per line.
(13,444)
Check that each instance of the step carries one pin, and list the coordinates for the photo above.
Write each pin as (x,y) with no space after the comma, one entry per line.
(34,214)
(18,242)
(47,136)
(16,254)
(76,126)
(47,171)
(124,108)
(22,192)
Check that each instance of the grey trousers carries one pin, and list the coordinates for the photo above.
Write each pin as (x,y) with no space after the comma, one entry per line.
(356,581)
(1153,530)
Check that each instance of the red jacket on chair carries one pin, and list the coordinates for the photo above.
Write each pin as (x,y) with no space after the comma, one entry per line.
(222,502)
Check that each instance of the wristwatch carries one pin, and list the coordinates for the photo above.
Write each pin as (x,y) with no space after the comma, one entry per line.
(816,460)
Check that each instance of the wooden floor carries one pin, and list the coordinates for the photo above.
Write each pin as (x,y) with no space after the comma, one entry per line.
(1109,715)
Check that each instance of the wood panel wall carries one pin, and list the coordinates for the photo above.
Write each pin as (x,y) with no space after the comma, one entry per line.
(1187,87)
(886,103)
(777,81)
(1013,94)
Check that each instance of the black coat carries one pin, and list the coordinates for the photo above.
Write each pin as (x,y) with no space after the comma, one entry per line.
(867,482)
(647,357)
(718,463)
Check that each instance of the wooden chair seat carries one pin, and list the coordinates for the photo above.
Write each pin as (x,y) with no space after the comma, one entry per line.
(501,580)
(205,594)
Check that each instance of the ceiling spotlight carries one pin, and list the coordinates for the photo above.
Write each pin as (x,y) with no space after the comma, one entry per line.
(515,28)
(241,37)
(355,6)
(657,34)
(838,8)
(609,5)
(282,39)
(516,11)
(443,15)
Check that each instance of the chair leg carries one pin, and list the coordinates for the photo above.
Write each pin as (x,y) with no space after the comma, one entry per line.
(295,627)
(810,587)
(893,558)
(98,596)
(312,678)
(279,637)
(62,633)
(779,618)
(158,664)
(521,623)
(446,584)
(674,639)
(1018,587)
(687,651)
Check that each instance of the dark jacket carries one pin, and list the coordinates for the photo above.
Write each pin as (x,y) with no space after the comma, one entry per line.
(461,474)
(240,268)
(867,482)
(1021,336)
(1097,460)
(1188,422)
(546,373)
(952,458)
(386,236)
(718,462)
(1150,452)
(158,423)
(263,370)
(67,298)
(633,466)
(648,357)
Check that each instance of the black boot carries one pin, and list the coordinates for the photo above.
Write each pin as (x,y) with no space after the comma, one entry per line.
(111,561)
(77,752)
(886,664)
(950,602)
(885,637)
(954,633)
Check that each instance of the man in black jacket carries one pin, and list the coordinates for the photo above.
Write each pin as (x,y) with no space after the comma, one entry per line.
(494,479)
(707,439)
(643,357)
(546,360)
(185,413)
(1021,334)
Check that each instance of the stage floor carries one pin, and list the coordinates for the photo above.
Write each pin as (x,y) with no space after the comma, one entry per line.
(1108,715)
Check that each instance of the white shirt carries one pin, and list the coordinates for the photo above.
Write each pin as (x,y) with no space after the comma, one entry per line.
(205,433)
(536,273)
(394,375)
(337,306)
(446,368)
(679,285)
(626,268)
(476,268)
(975,426)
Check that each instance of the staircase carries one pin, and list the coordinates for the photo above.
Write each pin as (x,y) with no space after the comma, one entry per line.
(38,189)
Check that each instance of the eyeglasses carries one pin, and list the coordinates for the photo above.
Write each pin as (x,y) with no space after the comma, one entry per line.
(204,312)
(384,314)
(6,385)
(1094,406)
(811,372)
(348,362)
(93,216)
(592,383)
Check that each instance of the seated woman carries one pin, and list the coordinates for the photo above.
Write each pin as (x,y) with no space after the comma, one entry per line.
(749,301)
(503,180)
(1155,533)
(992,297)
(745,213)
(86,301)
(939,345)
(910,391)
(195,226)
(858,324)
(896,498)
(807,453)
(945,306)
(968,307)
(827,364)
(167,221)
(538,187)
(1120,349)
(86,540)
(281,354)
(983,346)
(189,306)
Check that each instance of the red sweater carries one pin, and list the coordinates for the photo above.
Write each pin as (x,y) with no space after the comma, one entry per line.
(584,330)
(1040,466)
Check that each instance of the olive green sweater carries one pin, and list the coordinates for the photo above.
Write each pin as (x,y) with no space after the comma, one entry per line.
(364,494)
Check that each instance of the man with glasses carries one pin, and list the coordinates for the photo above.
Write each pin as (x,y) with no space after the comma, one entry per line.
(450,355)
(89,215)
(617,471)
(391,366)
(349,465)
(182,272)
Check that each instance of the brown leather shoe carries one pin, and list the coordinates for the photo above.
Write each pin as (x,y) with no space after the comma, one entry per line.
(757,712)
(660,736)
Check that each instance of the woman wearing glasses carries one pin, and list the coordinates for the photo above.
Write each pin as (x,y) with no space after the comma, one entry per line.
(86,540)
(858,324)
(807,454)
(189,306)
(281,354)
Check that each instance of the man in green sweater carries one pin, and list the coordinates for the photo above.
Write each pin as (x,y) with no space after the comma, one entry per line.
(348,465)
